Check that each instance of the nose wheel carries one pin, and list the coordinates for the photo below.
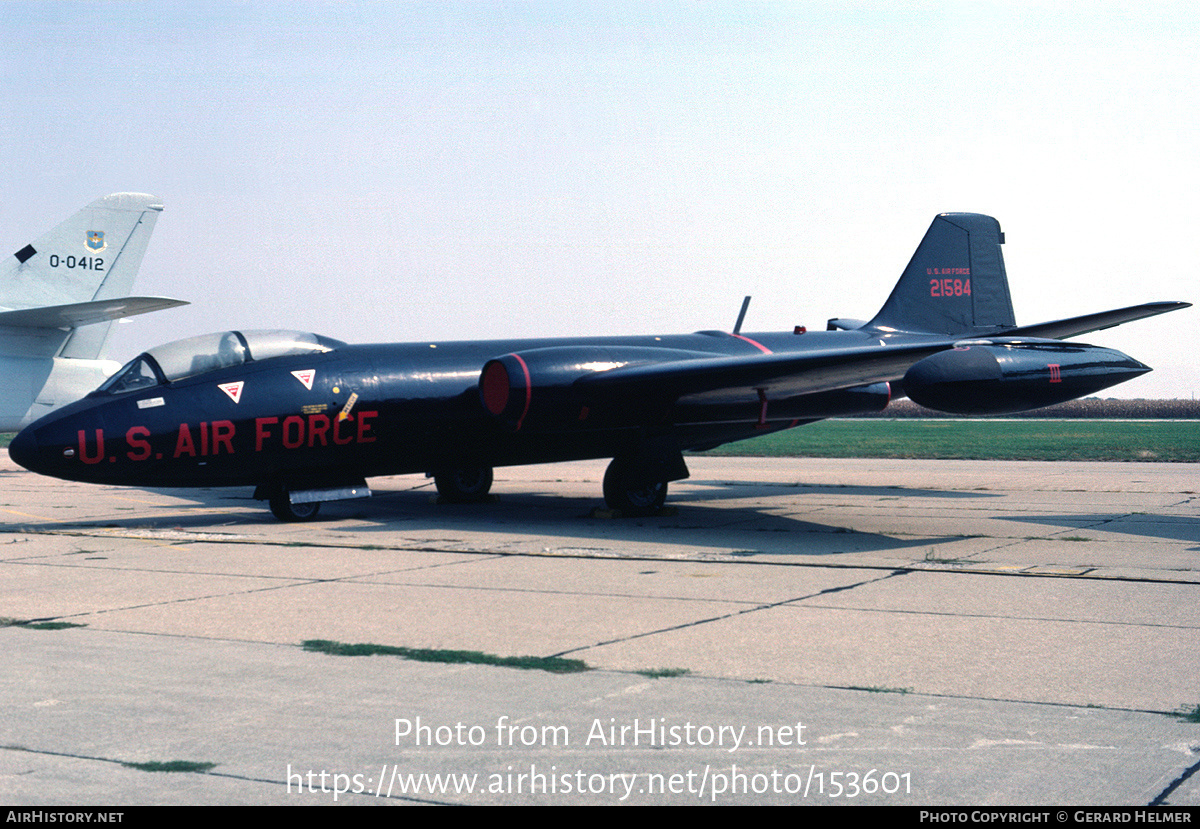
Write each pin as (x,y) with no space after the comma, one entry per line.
(283,508)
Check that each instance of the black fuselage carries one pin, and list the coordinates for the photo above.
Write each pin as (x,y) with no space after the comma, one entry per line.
(413,407)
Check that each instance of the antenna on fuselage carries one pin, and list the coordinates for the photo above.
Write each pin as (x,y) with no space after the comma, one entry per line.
(737,328)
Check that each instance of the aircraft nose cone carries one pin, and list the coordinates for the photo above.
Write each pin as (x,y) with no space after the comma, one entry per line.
(23,449)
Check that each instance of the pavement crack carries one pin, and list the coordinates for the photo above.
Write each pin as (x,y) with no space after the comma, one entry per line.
(1161,800)
(209,772)
(733,614)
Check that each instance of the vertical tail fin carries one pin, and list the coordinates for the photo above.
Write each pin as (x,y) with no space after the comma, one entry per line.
(94,255)
(955,283)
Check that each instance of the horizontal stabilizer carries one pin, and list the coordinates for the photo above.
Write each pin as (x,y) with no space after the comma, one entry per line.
(85,313)
(1074,326)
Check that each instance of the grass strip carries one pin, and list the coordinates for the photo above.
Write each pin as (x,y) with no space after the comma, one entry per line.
(1039,440)
(553,664)
(171,766)
(7,621)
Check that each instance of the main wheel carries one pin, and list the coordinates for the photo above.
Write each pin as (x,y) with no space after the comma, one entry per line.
(283,508)
(464,485)
(627,490)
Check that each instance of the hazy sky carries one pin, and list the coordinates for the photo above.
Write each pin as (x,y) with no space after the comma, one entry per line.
(406,171)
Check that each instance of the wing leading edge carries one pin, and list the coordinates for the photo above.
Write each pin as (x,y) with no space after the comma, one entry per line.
(85,313)
(778,375)
(1074,326)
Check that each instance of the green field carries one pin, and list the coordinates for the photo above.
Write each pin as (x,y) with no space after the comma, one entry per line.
(1041,440)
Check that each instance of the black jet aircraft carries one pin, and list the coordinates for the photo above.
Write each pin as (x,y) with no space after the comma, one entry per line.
(307,419)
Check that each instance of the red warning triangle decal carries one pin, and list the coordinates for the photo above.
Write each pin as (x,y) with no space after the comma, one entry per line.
(234,390)
(306,377)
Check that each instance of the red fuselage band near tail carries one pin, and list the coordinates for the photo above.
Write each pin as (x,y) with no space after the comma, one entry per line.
(757,345)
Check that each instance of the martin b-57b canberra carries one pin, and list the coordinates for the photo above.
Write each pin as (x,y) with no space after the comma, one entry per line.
(307,419)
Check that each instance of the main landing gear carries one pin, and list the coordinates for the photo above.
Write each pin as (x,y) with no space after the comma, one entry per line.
(627,491)
(465,485)
(636,485)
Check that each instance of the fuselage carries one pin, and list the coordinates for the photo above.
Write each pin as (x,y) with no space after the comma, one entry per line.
(366,410)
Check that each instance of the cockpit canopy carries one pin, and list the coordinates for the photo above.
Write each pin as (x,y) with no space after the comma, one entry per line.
(196,355)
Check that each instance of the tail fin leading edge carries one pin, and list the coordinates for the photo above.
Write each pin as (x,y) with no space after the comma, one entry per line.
(955,283)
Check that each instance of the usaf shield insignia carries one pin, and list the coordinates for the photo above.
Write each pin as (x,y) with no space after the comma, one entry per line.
(95,240)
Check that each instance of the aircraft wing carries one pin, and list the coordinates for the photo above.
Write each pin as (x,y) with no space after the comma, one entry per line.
(1061,329)
(76,314)
(812,372)
(780,375)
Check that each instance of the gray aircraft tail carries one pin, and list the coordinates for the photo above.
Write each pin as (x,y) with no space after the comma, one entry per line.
(79,274)
(955,283)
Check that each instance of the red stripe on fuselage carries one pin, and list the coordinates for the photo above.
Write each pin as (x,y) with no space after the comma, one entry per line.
(757,345)
(528,390)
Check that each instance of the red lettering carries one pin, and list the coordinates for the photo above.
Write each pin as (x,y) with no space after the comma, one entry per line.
(83,455)
(290,441)
(260,431)
(337,431)
(203,438)
(364,427)
(222,435)
(950,287)
(318,428)
(184,442)
(136,438)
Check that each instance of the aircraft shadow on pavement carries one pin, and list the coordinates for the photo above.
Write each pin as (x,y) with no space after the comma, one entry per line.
(771,524)
(724,489)
(1169,527)
(750,529)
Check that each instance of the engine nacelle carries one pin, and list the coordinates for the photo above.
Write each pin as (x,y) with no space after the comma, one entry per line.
(998,376)
(536,387)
